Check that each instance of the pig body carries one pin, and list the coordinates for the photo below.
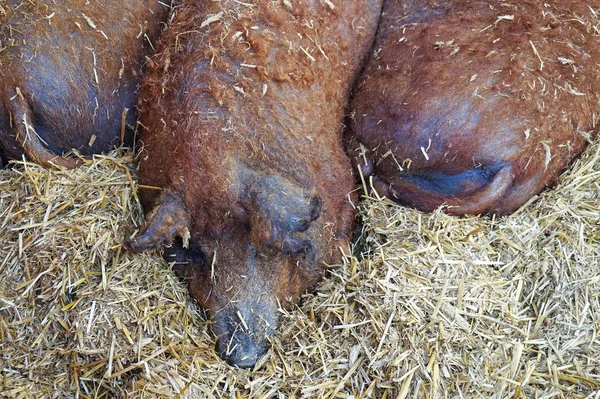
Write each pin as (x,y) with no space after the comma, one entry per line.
(242,114)
(69,71)
(476,105)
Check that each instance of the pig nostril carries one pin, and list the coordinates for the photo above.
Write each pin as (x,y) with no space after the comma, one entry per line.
(241,350)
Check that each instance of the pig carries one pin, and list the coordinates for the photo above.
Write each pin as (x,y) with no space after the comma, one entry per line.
(475,105)
(69,72)
(242,171)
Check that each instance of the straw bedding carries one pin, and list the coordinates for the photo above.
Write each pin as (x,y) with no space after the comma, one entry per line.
(427,306)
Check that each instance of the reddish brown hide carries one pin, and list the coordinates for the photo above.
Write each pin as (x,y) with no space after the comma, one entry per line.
(242,113)
(68,71)
(477,105)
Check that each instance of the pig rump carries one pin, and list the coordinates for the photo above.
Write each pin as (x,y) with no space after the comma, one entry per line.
(68,75)
(475,105)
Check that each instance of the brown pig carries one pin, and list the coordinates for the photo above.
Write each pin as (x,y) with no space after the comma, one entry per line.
(242,114)
(69,70)
(476,105)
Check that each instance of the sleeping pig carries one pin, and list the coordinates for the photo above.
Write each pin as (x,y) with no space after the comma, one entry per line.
(69,70)
(242,168)
(476,105)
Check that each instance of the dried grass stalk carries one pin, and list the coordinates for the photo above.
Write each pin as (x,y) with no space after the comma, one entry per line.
(429,306)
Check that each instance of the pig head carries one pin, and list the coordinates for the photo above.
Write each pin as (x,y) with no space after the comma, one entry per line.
(264,259)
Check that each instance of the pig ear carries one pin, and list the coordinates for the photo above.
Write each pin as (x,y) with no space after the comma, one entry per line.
(297,215)
(169,219)
(276,220)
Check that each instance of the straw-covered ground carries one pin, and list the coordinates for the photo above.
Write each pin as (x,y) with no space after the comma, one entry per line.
(431,306)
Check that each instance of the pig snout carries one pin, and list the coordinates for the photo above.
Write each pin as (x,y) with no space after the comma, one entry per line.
(242,298)
(243,330)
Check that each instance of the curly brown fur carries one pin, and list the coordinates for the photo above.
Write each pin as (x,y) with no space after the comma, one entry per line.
(476,105)
(242,112)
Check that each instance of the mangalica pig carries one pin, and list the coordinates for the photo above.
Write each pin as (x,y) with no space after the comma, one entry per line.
(476,105)
(69,71)
(242,154)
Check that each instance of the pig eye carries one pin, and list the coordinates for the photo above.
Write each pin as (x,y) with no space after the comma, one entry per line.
(294,247)
(175,253)
(316,203)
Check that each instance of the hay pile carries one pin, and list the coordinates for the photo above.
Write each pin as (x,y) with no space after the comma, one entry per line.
(431,306)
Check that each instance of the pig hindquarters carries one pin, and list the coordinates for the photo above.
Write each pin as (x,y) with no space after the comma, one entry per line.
(476,105)
(69,71)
